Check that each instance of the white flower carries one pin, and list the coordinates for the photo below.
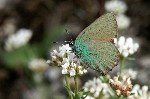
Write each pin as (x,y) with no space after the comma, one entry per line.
(117,6)
(67,60)
(72,72)
(71,56)
(95,86)
(89,97)
(122,21)
(126,46)
(38,65)
(135,89)
(122,87)
(84,71)
(73,69)
(54,58)
(54,53)
(66,65)
(64,54)
(18,39)
(130,73)
(121,41)
(140,93)
(81,72)
(65,48)
(64,71)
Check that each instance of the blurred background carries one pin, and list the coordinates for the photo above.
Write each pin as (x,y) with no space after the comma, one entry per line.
(30,29)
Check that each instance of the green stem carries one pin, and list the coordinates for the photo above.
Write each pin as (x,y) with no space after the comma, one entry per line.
(121,64)
(66,80)
(120,97)
(76,84)
(67,84)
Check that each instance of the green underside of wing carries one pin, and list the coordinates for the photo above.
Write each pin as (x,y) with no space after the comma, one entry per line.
(104,28)
(94,44)
(100,56)
(82,50)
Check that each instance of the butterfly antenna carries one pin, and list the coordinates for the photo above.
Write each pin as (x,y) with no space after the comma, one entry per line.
(66,31)
(71,41)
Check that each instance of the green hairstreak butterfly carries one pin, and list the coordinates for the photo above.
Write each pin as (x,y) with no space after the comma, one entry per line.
(95,46)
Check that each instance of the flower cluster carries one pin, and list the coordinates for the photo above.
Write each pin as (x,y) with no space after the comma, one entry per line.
(18,39)
(96,87)
(126,46)
(117,6)
(122,21)
(67,60)
(130,73)
(120,8)
(140,93)
(122,87)
(38,65)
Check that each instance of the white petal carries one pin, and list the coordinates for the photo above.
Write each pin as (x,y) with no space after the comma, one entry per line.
(115,40)
(129,40)
(64,71)
(123,21)
(125,53)
(136,46)
(84,71)
(65,60)
(145,88)
(61,54)
(80,72)
(66,65)
(121,41)
(128,81)
(19,39)
(65,48)
(92,90)
(131,51)
(72,72)
(53,58)
(115,6)
(71,56)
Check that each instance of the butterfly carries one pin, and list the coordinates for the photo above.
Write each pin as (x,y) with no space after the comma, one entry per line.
(95,44)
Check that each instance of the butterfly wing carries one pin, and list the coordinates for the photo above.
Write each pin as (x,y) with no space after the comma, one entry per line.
(94,44)
(103,28)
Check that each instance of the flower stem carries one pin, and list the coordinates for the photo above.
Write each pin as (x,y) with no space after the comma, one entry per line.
(119,97)
(68,86)
(121,64)
(66,80)
(76,84)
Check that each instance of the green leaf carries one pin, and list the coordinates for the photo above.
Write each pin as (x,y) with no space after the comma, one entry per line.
(68,89)
(79,95)
(19,56)
(50,36)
